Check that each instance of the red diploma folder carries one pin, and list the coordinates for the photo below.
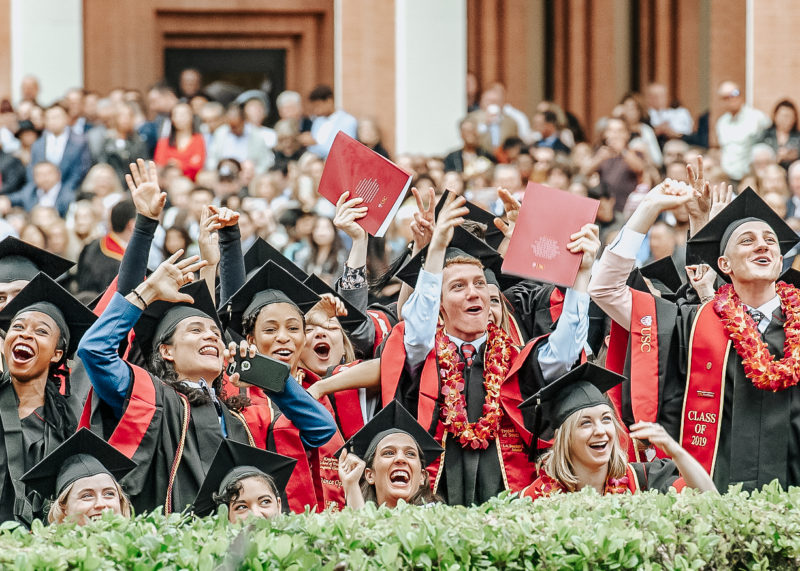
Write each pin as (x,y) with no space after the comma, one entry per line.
(538,247)
(382,184)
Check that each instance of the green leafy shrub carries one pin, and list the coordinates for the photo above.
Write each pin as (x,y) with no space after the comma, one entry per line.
(575,531)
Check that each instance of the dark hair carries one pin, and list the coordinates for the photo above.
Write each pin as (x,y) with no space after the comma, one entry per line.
(321,93)
(233,490)
(789,104)
(122,212)
(423,496)
(550,117)
(165,370)
(173,131)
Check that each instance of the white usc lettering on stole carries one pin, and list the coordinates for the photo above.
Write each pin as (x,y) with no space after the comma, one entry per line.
(695,416)
(647,335)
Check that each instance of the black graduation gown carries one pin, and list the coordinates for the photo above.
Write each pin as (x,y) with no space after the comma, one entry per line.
(660,474)
(760,433)
(155,450)
(20,451)
(470,476)
(95,270)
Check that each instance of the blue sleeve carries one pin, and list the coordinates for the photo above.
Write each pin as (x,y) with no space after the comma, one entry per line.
(133,267)
(564,345)
(231,263)
(312,419)
(111,377)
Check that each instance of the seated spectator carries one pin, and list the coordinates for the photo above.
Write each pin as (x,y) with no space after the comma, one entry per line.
(675,151)
(121,144)
(461,159)
(62,147)
(96,137)
(183,146)
(288,147)
(793,203)
(494,125)
(325,254)
(783,136)
(103,188)
(370,135)
(27,134)
(254,106)
(190,83)
(738,129)
(290,106)
(212,116)
(46,189)
(668,121)
(328,120)
(238,140)
(546,123)
(160,101)
(632,111)
(619,168)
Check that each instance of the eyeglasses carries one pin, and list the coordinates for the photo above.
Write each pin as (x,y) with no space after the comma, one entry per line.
(731,95)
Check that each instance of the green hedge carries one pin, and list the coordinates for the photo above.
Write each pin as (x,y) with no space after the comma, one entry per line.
(575,531)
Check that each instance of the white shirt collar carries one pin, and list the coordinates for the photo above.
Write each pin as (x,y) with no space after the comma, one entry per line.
(767,309)
(477,343)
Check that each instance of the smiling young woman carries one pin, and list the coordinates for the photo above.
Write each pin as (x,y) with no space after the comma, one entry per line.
(43,323)
(587,450)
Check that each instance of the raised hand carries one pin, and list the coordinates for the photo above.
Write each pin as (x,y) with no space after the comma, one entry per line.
(701,204)
(587,241)
(721,196)
(331,305)
(702,279)
(351,467)
(424,219)
(656,435)
(511,206)
(169,277)
(451,215)
(208,238)
(670,194)
(145,192)
(347,212)
(225,216)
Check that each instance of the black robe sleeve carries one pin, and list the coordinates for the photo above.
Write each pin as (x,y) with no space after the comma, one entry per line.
(660,474)
(231,262)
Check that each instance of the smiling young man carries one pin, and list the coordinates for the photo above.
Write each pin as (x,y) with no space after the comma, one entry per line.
(715,375)
(464,379)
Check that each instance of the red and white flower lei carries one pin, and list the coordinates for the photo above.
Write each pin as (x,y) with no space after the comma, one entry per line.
(759,365)
(497,363)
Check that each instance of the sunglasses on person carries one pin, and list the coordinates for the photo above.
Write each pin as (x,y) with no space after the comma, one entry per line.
(731,95)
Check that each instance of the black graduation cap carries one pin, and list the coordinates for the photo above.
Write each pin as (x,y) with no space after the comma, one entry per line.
(261,252)
(462,244)
(161,316)
(391,419)
(354,317)
(708,242)
(494,237)
(582,387)
(234,461)
(270,284)
(662,274)
(82,455)
(45,295)
(22,261)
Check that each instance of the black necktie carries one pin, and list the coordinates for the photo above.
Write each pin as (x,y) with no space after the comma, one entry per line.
(756,315)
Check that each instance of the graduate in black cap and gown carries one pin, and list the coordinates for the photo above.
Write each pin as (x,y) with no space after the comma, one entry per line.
(43,325)
(386,461)
(587,448)
(269,310)
(462,377)
(171,418)
(249,481)
(81,477)
(721,377)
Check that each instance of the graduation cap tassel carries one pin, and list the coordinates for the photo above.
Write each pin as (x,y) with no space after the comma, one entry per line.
(537,430)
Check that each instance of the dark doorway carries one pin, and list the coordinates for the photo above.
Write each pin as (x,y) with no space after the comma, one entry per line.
(263,69)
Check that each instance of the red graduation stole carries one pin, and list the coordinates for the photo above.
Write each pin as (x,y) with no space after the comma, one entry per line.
(644,355)
(348,416)
(135,421)
(111,248)
(701,417)
(382,324)
(556,304)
